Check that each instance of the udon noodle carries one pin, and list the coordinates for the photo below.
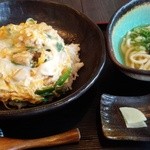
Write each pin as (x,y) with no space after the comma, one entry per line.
(135,47)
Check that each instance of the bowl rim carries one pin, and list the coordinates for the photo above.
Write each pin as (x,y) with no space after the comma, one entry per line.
(113,20)
(41,109)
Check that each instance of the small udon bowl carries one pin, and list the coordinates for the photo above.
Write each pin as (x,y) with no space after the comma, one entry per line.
(132,14)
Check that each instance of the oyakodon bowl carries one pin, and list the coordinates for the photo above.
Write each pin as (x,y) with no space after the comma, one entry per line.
(133,14)
(72,26)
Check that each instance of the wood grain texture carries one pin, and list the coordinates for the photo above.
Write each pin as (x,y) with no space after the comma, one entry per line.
(100,11)
(76,4)
(72,136)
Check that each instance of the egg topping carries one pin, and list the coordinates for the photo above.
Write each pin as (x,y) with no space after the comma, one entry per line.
(35,62)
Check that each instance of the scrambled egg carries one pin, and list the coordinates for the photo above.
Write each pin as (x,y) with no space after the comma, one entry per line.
(34,60)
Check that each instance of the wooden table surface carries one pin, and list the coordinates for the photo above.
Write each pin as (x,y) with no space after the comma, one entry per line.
(99,11)
(85,112)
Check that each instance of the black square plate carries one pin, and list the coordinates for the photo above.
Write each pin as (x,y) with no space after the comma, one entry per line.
(113,124)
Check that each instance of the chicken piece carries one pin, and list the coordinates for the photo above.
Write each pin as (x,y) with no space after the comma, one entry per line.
(22,58)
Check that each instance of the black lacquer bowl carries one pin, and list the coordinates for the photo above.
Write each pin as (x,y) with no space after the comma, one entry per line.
(73,26)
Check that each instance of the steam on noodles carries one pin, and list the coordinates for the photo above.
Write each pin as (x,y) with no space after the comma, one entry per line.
(135,47)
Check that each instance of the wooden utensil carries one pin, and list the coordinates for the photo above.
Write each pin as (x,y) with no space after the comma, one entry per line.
(71,136)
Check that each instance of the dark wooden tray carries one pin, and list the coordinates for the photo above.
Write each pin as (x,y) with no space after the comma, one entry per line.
(84,114)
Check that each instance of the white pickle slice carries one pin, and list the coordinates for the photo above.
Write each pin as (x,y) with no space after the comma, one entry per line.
(133,117)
